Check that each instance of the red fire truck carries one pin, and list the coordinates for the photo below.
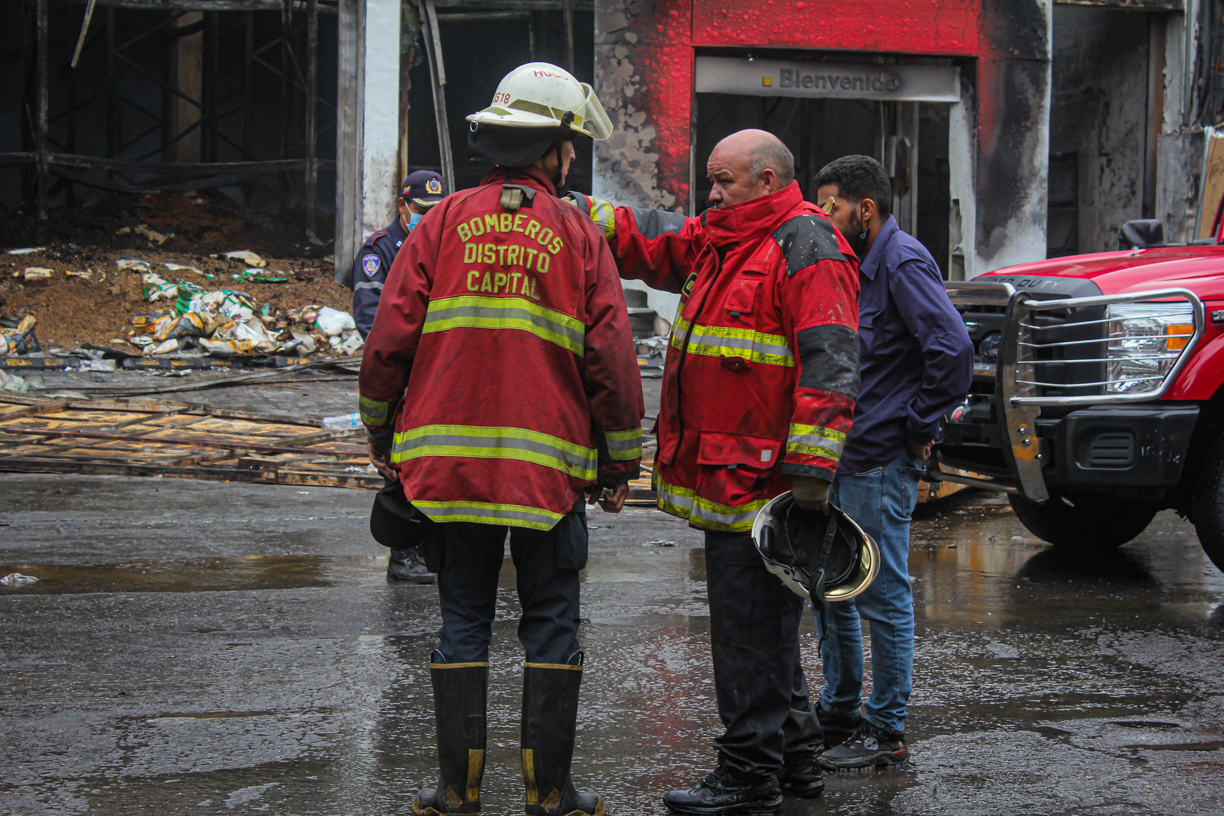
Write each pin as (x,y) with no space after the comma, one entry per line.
(1098,391)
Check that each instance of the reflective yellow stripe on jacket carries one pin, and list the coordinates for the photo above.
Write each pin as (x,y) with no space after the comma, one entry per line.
(708,515)
(624,445)
(513,515)
(483,442)
(373,412)
(816,440)
(724,341)
(520,314)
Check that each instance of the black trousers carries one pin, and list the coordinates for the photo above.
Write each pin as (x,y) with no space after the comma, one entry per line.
(754,636)
(468,559)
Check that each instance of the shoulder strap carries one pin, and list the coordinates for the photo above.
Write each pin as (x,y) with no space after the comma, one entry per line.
(515,196)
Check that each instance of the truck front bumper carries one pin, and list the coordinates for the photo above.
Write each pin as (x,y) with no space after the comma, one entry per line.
(1101,446)
(1138,445)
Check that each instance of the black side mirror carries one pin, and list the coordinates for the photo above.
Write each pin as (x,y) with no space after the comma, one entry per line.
(1141,233)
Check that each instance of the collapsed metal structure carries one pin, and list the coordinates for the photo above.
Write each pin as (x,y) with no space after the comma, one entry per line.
(287,104)
(214,111)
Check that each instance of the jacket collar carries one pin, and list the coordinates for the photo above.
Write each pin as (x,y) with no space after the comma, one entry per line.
(529,176)
(396,232)
(751,220)
(875,255)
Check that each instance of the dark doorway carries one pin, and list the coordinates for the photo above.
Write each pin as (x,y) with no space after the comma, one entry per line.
(909,139)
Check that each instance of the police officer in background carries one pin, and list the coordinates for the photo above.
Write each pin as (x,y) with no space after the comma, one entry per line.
(422,189)
(500,381)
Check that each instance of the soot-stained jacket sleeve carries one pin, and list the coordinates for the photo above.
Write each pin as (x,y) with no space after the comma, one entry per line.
(369,276)
(610,371)
(656,247)
(818,300)
(391,346)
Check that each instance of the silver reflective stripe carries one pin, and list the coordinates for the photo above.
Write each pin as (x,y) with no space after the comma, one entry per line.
(495,313)
(502,443)
(489,513)
(739,343)
(576,337)
(815,444)
(702,512)
(624,444)
(368,285)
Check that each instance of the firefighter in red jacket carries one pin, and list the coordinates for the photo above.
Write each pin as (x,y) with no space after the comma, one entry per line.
(500,384)
(758,396)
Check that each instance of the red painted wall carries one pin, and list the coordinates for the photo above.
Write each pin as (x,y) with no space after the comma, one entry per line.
(663,34)
(907,26)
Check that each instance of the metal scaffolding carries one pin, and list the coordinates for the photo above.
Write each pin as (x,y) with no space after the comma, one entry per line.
(123,74)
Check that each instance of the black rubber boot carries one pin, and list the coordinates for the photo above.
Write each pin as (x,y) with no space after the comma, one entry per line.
(550,714)
(801,776)
(407,566)
(459,708)
(721,793)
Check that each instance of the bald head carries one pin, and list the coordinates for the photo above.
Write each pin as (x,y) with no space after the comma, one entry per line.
(748,164)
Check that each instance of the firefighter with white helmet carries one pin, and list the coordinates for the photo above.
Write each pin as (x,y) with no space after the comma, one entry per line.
(499,385)
(537,108)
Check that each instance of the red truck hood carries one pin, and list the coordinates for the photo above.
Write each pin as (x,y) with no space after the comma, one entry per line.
(1197,268)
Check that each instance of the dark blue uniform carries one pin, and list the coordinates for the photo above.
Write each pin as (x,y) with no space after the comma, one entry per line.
(370,272)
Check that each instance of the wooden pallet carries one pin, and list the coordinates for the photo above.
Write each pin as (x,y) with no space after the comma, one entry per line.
(179,440)
(190,441)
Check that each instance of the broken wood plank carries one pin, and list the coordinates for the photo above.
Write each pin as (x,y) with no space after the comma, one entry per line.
(188,441)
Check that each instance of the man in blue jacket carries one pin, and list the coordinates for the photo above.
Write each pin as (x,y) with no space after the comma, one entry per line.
(916,363)
(421,190)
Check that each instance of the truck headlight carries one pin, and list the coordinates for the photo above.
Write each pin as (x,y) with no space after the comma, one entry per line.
(1145,342)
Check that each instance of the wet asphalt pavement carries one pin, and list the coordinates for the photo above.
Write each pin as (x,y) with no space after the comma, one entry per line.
(195,647)
(199,648)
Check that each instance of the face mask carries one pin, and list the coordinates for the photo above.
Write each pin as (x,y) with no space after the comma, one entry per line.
(412,222)
(858,241)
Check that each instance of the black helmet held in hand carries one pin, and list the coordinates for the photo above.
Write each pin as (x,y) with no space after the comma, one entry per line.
(818,556)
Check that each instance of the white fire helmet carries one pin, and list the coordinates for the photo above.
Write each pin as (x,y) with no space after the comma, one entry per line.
(792,540)
(539,95)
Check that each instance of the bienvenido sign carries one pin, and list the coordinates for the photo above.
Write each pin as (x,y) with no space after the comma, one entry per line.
(909,83)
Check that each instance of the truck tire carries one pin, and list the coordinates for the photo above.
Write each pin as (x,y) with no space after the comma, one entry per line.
(1083,524)
(1207,510)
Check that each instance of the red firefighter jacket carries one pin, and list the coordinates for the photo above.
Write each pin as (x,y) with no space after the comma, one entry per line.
(501,352)
(762,370)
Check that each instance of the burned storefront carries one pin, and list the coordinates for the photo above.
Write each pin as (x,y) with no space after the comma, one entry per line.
(1010,129)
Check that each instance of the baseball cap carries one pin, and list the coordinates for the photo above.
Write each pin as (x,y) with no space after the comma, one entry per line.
(423,188)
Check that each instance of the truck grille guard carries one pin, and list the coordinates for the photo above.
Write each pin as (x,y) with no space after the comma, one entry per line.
(1023,357)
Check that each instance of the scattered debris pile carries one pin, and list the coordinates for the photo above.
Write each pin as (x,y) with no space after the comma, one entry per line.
(225,304)
(226,322)
(81,271)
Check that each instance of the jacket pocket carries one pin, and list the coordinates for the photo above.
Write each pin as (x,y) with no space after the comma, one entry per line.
(733,470)
(737,450)
(742,299)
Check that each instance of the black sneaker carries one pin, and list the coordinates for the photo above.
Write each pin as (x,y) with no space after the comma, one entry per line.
(801,776)
(719,794)
(869,747)
(406,566)
(837,729)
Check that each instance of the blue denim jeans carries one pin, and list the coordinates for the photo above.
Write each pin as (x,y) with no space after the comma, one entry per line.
(881,501)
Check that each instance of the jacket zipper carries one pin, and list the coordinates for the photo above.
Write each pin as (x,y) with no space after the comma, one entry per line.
(684,346)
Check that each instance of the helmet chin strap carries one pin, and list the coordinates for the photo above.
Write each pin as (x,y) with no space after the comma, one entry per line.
(563,136)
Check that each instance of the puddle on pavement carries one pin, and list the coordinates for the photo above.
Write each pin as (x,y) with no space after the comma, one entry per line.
(198,575)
